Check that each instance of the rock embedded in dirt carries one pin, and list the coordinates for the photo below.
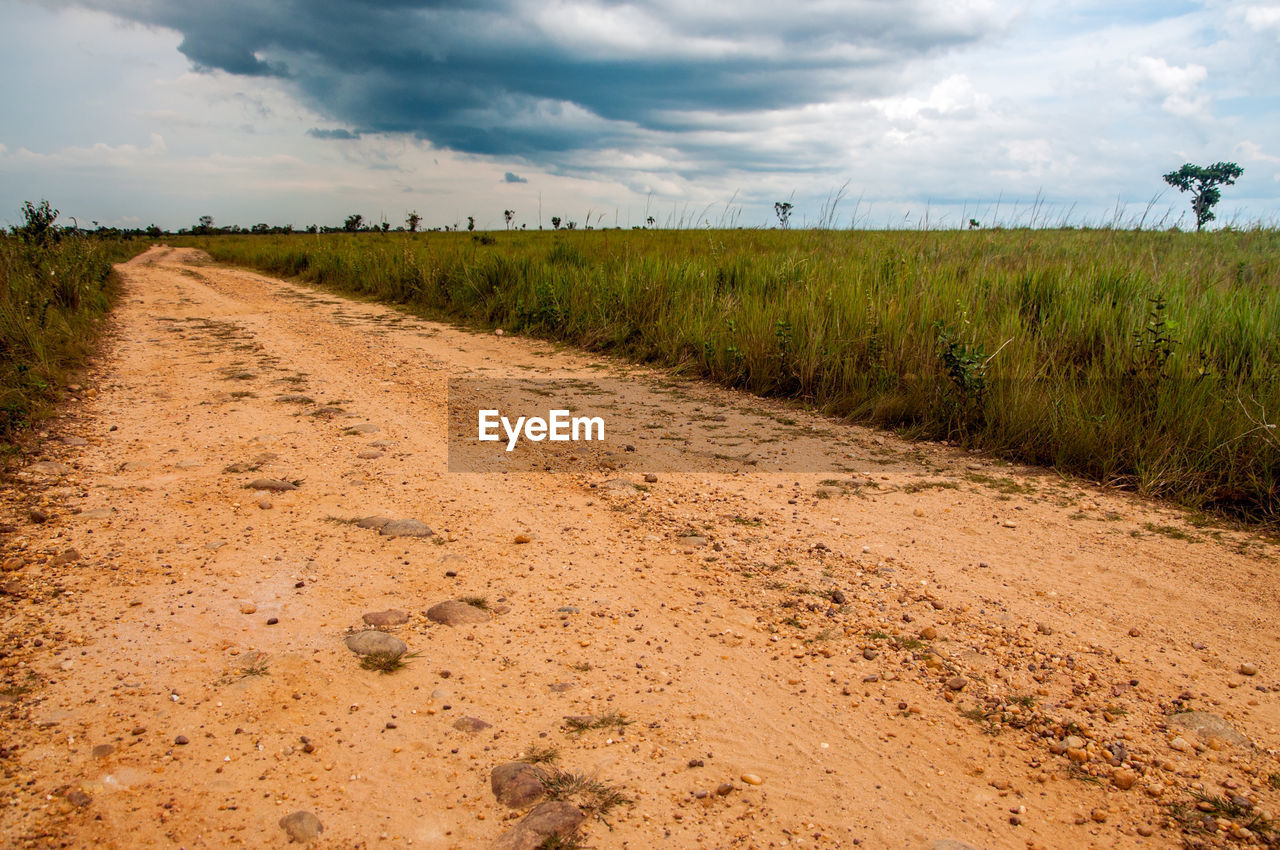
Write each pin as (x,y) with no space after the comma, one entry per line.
(364,428)
(471,724)
(275,485)
(389,617)
(38,516)
(78,798)
(48,467)
(372,454)
(405,528)
(556,819)
(302,827)
(1124,779)
(650,478)
(692,540)
(248,608)
(101,751)
(455,613)
(374,522)
(957,683)
(1209,725)
(952,844)
(1248,668)
(517,785)
(373,642)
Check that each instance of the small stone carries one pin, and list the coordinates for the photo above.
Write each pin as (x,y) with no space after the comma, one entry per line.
(928,633)
(455,613)
(182,740)
(374,642)
(38,516)
(375,522)
(1074,742)
(724,789)
(751,779)
(695,763)
(957,683)
(1135,632)
(363,428)
(1043,629)
(78,798)
(138,730)
(271,621)
(471,724)
(1209,725)
(369,455)
(383,619)
(952,844)
(1145,830)
(302,827)
(1098,815)
(517,785)
(552,819)
(264,504)
(1124,779)
(520,539)
(101,751)
(1248,668)
(650,478)
(275,485)
(248,608)
(869,653)
(406,528)
(48,467)
(1180,744)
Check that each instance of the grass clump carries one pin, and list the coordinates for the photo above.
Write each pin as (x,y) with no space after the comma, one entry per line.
(608,720)
(475,602)
(386,662)
(56,284)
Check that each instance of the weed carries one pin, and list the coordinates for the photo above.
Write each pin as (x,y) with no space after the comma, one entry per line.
(386,662)
(581,667)
(540,755)
(475,602)
(594,797)
(608,720)
(256,664)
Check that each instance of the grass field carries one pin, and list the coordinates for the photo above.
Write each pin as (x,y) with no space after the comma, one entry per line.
(1148,360)
(52,298)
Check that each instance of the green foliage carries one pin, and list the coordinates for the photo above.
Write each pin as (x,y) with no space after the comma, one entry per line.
(1142,359)
(1203,185)
(54,286)
(353,223)
(782,210)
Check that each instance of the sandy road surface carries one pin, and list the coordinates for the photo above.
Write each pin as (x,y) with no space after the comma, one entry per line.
(899,654)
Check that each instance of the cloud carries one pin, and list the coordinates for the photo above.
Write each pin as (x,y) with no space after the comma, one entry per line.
(511,177)
(538,79)
(340,133)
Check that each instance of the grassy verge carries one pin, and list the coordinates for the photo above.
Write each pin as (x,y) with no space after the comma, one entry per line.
(53,294)
(1142,359)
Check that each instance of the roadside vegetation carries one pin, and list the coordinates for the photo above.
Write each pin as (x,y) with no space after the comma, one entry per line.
(1147,360)
(55,286)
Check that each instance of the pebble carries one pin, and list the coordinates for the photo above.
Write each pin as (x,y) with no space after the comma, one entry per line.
(650,478)
(369,455)
(372,641)
(545,821)
(957,683)
(248,608)
(1248,668)
(724,789)
(928,633)
(182,740)
(751,779)
(389,617)
(517,785)
(302,827)
(1124,779)
(405,528)
(455,613)
(869,653)
(275,485)
(1209,725)
(1180,744)
(37,516)
(471,724)
(101,751)
(1135,632)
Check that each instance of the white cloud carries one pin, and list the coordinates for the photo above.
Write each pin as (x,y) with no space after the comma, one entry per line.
(1179,86)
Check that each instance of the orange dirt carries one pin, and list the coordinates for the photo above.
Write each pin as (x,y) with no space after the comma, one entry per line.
(898,654)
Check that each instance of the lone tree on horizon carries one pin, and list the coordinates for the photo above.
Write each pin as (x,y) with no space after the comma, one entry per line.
(1203,185)
(782,209)
(413,221)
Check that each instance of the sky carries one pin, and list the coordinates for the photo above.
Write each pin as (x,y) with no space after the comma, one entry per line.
(697,113)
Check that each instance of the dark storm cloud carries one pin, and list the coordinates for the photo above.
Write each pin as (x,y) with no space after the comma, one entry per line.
(513,77)
(511,177)
(340,133)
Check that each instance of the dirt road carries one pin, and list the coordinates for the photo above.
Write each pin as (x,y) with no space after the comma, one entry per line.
(930,647)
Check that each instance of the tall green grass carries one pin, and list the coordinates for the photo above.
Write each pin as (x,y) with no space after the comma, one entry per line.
(1149,360)
(53,293)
